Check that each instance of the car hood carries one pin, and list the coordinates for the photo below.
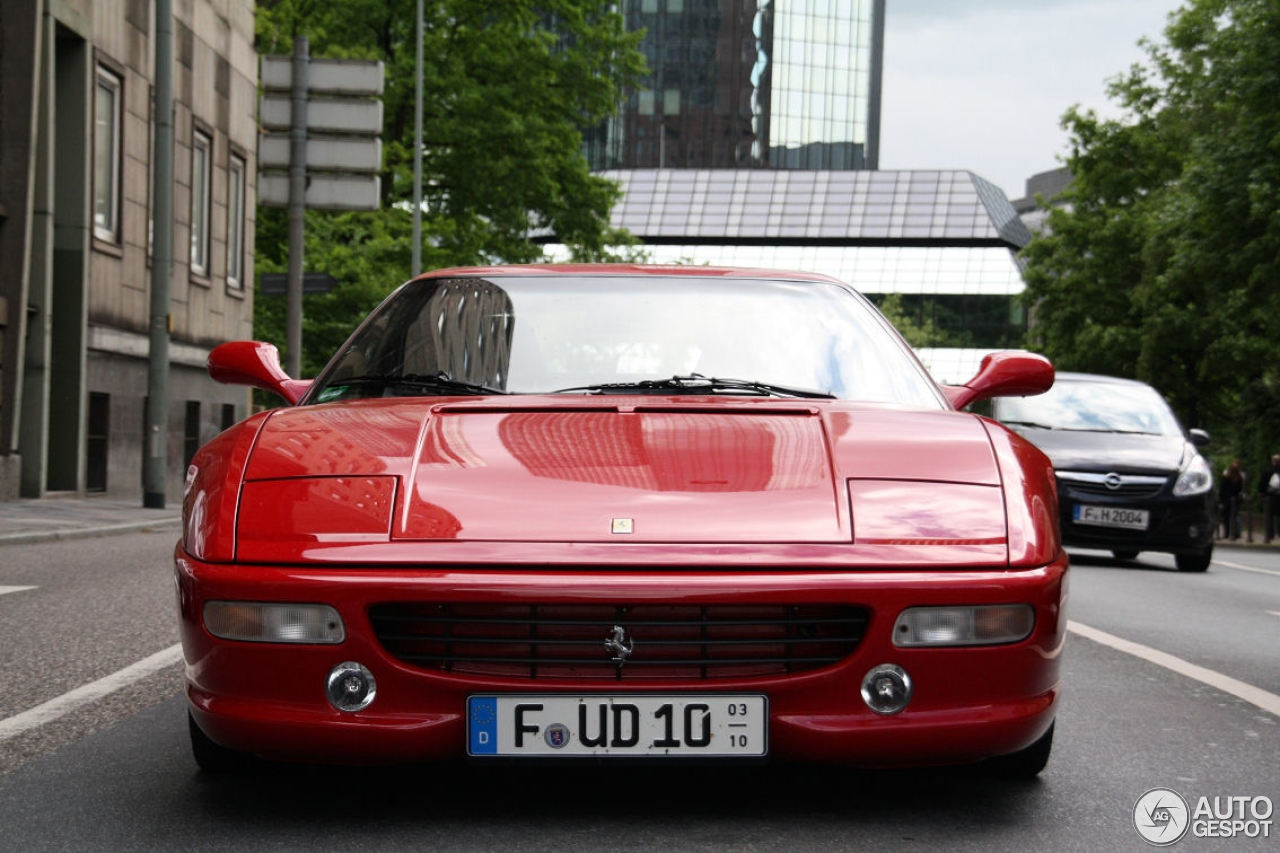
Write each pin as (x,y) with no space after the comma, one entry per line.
(681,469)
(1104,452)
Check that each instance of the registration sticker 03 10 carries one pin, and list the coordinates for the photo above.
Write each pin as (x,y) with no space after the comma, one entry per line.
(548,725)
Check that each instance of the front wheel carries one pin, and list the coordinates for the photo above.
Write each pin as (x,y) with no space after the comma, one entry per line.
(1025,763)
(1195,562)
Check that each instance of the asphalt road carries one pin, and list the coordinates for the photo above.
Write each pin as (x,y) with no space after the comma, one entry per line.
(116,773)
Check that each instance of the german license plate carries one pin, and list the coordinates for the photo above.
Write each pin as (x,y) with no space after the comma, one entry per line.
(670,725)
(1110,516)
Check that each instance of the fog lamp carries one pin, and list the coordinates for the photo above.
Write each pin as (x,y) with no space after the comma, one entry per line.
(981,625)
(886,689)
(350,687)
(273,622)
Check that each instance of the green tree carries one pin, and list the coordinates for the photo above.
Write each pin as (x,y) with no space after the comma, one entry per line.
(918,331)
(508,87)
(1165,260)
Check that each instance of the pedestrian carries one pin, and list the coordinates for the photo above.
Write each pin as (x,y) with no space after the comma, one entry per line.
(1269,488)
(1230,497)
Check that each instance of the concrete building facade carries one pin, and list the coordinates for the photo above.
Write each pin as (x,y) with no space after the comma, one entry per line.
(76,144)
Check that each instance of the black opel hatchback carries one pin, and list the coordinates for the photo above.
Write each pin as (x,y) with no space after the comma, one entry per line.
(1129,478)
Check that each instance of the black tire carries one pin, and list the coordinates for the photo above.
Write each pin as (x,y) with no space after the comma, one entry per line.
(1124,554)
(1196,562)
(209,756)
(1025,763)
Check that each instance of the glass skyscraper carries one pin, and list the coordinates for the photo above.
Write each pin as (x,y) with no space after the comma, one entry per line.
(790,84)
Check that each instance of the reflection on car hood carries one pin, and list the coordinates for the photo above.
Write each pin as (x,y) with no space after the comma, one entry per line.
(626,469)
(1072,450)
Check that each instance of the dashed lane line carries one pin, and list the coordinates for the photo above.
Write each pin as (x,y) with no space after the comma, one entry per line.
(1263,699)
(85,694)
(5,590)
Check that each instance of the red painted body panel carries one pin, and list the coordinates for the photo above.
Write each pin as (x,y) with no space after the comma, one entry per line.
(685,470)
(969,703)
(211,501)
(1031,498)
(315,510)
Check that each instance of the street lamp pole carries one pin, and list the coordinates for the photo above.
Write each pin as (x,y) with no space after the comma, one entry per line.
(154,456)
(417,153)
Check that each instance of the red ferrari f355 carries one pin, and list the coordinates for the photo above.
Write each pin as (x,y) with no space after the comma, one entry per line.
(596,512)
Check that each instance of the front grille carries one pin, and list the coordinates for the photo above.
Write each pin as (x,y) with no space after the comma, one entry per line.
(1144,487)
(667,641)
(1135,491)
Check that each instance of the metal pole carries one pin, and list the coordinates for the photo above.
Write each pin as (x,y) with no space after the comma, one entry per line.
(417,154)
(154,457)
(297,206)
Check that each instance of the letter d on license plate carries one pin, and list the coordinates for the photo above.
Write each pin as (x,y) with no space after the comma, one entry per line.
(546,725)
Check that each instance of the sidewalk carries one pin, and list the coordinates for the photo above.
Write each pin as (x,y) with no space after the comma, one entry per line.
(43,519)
(1256,545)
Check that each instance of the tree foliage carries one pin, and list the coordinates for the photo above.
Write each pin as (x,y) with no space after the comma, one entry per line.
(508,86)
(1164,264)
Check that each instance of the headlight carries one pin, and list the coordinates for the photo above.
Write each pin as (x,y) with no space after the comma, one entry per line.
(271,622)
(980,625)
(1195,479)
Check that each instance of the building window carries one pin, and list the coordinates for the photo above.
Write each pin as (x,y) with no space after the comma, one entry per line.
(235,223)
(96,443)
(201,166)
(106,156)
(190,432)
(228,416)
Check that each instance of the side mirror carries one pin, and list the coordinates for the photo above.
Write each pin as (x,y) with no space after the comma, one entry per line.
(256,364)
(1199,437)
(1004,374)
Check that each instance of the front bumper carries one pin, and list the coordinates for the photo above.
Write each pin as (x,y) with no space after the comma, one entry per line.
(1177,525)
(970,703)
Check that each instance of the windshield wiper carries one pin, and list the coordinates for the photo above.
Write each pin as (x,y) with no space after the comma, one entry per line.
(1031,424)
(696,383)
(1110,431)
(439,381)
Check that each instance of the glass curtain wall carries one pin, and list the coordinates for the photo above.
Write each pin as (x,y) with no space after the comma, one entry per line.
(750,83)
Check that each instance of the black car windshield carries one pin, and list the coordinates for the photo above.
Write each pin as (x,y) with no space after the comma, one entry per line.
(618,334)
(1087,406)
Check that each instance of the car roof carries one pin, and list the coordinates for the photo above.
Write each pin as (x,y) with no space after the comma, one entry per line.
(1066,376)
(631,270)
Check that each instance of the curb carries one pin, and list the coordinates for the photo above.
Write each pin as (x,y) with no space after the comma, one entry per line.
(88,532)
(1266,547)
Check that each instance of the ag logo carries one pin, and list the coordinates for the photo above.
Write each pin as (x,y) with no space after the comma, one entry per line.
(1161,817)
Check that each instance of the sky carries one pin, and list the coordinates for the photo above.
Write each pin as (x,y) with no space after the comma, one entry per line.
(982,84)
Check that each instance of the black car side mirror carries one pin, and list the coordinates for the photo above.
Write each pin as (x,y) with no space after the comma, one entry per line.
(1199,437)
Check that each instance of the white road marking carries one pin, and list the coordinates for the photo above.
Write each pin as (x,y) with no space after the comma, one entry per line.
(1274,612)
(91,692)
(1265,700)
(5,590)
(1246,568)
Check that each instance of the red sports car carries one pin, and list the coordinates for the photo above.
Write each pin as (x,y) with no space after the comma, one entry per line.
(569,512)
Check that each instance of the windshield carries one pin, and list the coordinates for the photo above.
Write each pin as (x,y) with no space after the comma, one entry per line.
(543,334)
(1092,407)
